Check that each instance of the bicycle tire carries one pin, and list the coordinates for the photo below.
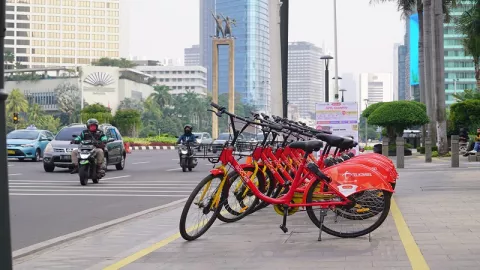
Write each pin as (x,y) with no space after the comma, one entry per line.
(184,231)
(311,214)
(236,215)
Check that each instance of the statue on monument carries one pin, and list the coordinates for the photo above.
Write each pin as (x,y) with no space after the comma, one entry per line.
(219,23)
(228,26)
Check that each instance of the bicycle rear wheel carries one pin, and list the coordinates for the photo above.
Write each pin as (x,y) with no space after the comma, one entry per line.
(206,204)
(334,223)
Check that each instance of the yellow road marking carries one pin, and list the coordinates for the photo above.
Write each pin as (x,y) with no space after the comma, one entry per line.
(417,261)
(144,252)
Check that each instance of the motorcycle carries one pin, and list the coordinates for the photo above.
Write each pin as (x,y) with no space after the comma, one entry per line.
(187,160)
(87,163)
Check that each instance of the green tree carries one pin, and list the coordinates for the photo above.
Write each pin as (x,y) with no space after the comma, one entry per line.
(132,104)
(468,24)
(396,116)
(35,112)
(68,100)
(8,59)
(48,122)
(128,121)
(161,95)
(467,94)
(16,102)
(97,111)
(112,62)
(465,114)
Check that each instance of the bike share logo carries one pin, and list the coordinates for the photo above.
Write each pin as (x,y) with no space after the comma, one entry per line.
(348,174)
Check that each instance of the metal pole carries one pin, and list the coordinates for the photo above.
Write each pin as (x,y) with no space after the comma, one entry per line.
(327,87)
(5,240)
(455,86)
(336,48)
(284,54)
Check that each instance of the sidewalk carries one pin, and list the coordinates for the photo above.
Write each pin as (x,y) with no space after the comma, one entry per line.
(439,204)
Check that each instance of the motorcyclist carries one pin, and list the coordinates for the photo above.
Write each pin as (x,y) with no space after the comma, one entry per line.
(187,135)
(91,133)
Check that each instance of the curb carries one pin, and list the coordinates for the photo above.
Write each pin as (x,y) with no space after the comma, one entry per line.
(152,148)
(23,252)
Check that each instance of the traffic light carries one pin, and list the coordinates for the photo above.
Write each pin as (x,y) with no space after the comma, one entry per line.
(15,118)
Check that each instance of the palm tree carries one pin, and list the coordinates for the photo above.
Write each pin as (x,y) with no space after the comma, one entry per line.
(16,102)
(35,112)
(161,95)
(467,94)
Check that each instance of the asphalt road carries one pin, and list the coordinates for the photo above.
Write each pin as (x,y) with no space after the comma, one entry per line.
(47,205)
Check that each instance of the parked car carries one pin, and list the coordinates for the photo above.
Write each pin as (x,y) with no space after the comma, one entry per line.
(28,143)
(58,151)
(222,139)
(203,138)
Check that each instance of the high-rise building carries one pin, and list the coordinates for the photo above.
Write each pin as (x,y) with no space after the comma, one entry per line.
(62,32)
(252,48)
(306,77)
(376,87)
(395,71)
(180,79)
(459,67)
(191,56)
(401,73)
(349,83)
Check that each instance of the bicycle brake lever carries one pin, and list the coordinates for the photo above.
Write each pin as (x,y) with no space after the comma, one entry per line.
(217,113)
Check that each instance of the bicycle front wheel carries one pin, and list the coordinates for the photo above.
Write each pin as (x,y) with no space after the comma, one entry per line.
(206,201)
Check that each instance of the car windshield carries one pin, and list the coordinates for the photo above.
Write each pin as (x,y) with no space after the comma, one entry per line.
(23,134)
(224,136)
(66,134)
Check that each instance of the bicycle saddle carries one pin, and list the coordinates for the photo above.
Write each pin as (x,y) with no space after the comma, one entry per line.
(347,143)
(307,146)
(332,140)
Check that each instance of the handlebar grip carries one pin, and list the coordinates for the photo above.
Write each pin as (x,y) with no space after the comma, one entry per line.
(215,105)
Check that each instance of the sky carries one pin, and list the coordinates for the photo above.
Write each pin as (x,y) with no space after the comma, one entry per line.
(367,32)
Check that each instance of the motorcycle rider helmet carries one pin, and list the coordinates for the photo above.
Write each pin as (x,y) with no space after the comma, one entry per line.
(188,128)
(92,125)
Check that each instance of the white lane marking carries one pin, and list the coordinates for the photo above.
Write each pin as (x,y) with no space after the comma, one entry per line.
(103,179)
(14,174)
(116,177)
(103,190)
(10,165)
(171,170)
(99,186)
(176,159)
(109,184)
(142,162)
(97,195)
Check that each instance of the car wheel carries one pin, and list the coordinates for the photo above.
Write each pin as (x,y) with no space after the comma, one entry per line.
(38,155)
(48,167)
(120,166)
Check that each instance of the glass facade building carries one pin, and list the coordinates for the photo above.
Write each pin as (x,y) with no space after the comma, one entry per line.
(252,48)
(458,65)
(402,55)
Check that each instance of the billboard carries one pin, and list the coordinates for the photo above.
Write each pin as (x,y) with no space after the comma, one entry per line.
(341,118)
(414,39)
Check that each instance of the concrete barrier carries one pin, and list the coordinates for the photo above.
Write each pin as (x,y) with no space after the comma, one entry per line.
(385,146)
(400,152)
(455,148)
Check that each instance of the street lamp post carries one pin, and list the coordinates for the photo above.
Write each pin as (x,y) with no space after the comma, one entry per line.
(336,47)
(342,90)
(5,238)
(366,124)
(327,59)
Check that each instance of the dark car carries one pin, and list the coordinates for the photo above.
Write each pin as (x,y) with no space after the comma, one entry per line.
(58,151)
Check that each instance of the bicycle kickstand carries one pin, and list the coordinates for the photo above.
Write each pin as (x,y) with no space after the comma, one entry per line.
(323,213)
(284,223)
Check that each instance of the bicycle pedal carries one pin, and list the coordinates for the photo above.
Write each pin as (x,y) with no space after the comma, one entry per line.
(284,228)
